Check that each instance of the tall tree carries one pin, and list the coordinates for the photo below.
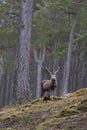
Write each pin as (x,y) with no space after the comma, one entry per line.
(23,50)
(39,61)
(1,66)
(1,74)
(69,53)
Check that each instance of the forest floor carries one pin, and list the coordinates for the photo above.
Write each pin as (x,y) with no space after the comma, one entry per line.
(59,113)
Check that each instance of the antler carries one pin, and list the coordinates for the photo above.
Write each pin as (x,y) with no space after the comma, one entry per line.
(57,70)
(48,70)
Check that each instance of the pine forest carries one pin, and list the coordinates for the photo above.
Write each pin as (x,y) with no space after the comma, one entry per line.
(42,41)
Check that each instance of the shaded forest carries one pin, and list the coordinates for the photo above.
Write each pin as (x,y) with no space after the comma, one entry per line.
(50,33)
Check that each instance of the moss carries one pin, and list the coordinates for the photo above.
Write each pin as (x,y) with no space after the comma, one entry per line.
(55,98)
(67,112)
(57,113)
(83,105)
(36,101)
(44,125)
(26,119)
(80,92)
(50,124)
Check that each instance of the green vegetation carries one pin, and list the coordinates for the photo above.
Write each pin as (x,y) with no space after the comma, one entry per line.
(64,113)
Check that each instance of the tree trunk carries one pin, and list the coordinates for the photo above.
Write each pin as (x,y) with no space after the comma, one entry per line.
(8,88)
(39,62)
(23,50)
(1,66)
(38,89)
(83,63)
(1,77)
(69,54)
(55,65)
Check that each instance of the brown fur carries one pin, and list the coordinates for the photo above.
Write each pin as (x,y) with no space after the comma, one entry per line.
(47,85)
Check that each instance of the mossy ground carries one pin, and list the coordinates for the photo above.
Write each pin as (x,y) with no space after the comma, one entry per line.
(59,113)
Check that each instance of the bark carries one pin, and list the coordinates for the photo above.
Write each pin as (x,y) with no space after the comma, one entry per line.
(8,88)
(38,89)
(3,90)
(1,75)
(75,72)
(83,72)
(39,60)
(55,65)
(69,53)
(64,75)
(85,76)
(23,51)
(1,66)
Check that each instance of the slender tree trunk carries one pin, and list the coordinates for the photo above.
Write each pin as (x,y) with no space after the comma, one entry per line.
(64,90)
(8,88)
(39,70)
(83,63)
(55,65)
(75,75)
(85,70)
(1,66)
(69,54)
(1,75)
(39,62)
(23,50)
(3,92)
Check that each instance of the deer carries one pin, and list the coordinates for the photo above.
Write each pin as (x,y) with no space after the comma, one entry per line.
(49,85)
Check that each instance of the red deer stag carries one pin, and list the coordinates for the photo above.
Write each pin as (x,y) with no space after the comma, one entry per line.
(49,85)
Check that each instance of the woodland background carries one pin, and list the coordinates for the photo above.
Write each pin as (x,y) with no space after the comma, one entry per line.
(52,23)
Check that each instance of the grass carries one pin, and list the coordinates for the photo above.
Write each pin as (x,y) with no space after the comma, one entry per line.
(63,113)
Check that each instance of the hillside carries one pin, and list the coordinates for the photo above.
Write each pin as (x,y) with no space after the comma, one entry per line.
(58,113)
